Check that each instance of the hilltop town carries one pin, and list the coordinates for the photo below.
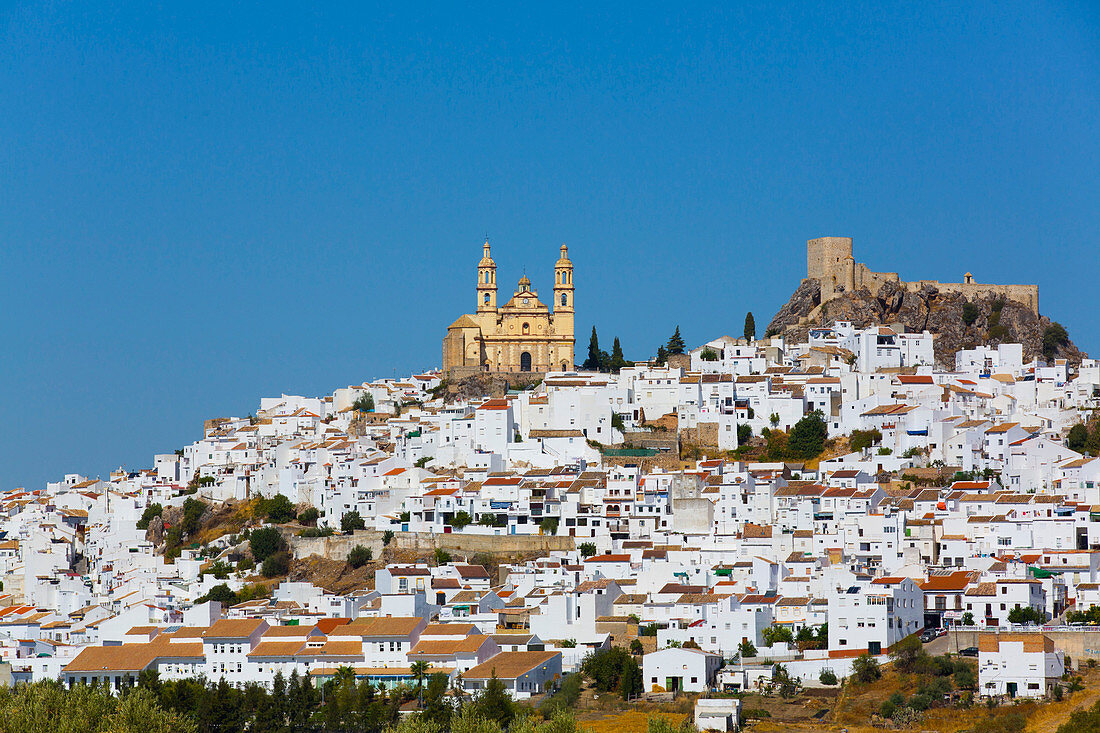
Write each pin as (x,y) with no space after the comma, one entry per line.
(734,523)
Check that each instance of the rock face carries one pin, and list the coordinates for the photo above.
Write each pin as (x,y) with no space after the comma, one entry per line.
(995,321)
(155,532)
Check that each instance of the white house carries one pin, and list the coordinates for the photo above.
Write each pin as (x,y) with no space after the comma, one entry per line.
(680,670)
(1018,665)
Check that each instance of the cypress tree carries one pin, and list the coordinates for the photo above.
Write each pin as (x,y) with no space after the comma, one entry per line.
(617,360)
(592,363)
(750,327)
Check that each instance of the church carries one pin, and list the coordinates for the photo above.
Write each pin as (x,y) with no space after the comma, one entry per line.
(523,335)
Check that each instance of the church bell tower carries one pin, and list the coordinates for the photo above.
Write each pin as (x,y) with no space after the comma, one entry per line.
(486,282)
(563,293)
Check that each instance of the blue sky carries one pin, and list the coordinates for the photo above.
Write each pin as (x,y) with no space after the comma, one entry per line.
(205,203)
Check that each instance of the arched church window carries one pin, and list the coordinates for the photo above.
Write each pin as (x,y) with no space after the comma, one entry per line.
(564,299)
(486,299)
(526,328)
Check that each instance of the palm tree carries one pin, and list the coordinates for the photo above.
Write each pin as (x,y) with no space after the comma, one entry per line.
(419,672)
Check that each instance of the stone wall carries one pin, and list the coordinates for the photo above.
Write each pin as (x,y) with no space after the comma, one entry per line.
(704,434)
(337,547)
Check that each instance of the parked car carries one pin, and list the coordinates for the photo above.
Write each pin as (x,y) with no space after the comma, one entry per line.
(970,651)
(928,635)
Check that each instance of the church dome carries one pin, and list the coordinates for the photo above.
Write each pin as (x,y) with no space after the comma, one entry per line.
(524,284)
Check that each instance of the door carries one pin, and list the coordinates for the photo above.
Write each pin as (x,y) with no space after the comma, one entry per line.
(1010,688)
(525,361)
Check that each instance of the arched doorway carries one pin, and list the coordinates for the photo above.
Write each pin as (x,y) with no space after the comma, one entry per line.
(525,361)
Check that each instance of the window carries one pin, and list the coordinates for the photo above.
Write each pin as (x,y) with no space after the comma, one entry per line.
(564,299)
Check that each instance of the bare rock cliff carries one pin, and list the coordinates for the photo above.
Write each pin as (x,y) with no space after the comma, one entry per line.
(993,321)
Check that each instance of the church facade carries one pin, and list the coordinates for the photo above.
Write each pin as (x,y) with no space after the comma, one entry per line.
(523,335)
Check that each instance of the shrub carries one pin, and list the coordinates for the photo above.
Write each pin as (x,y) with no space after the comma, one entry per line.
(908,655)
(746,649)
(865,668)
(549,525)
(277,564)
(441,556)
(827,677)
(744,434)
(636,647)
(351,522)
(360,556)
(970,313)
(309,516)
(364,403)
(152,511)
(587,549)
(265,542)
(461,519)
(863,439)
(387,537)
(708,354)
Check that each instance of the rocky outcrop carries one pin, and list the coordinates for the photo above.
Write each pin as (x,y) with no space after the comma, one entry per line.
(992,320)
(155,532)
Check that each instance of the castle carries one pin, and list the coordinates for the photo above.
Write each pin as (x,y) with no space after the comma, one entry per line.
(521,336)
(829,260)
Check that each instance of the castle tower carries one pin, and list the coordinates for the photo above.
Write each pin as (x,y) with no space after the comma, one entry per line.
(563,293)
(486,282)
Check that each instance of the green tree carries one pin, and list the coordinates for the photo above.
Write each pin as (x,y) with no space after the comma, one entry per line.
(636,647)
(220,593)
(360,556)
(265,542)
(1077,440)
(549,525)
(279,510)
(309,516)
(617,360)
(750,327)
(746,649)
(152,511)
(675,343)
(968,619)
(708,354)
(807,438)
(587,549)
(441,556)
(1054,338)
(193,509)
(418,670)
(461,519)
(277,564)
(494,703)
(364,403)
(387,537)
(351,522)
(592,363)
(662,356)
(777,634)
(744,434)
(1026,615)
(630,678)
